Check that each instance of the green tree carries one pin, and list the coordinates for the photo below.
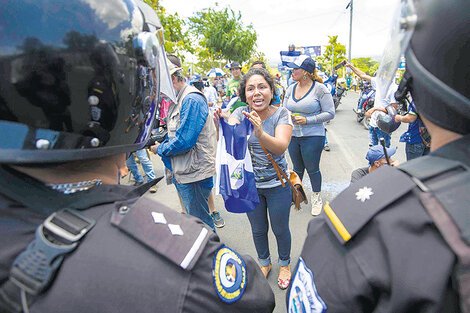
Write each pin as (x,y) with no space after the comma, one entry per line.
(333,51)
(367,65)
(177,39)
(324,64)
(223,34)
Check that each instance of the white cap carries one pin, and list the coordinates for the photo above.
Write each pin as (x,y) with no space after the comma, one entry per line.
(171,67)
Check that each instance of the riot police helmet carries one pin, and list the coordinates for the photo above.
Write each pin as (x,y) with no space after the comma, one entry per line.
(437,59)
(80,79)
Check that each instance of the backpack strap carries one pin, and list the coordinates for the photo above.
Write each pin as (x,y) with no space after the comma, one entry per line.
(452,236)
(448,181)
(33,270)
(443,199)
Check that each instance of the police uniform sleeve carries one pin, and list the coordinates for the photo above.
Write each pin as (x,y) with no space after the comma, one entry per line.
(199,272)
(328,276)
(218,284)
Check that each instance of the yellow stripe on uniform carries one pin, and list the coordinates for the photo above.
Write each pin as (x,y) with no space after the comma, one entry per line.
(336,222)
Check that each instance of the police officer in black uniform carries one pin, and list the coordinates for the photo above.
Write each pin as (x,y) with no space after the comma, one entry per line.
(393,241)
(71,238)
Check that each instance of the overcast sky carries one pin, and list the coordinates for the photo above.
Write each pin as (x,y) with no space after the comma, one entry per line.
(305,22)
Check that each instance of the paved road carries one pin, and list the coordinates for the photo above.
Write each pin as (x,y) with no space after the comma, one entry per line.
(348,141)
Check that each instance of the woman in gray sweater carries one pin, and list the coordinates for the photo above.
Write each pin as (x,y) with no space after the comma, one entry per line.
(310,104)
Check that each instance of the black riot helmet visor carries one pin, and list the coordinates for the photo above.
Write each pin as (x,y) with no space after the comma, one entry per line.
(434,37)
(78,79)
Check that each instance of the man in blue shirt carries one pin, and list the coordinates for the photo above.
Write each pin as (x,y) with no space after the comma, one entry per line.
(415,147)
(189,151)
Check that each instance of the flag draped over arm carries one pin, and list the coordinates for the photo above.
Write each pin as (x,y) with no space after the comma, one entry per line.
(235,177)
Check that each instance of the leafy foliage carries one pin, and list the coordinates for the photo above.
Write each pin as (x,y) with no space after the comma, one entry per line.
(367,65)
(177,39)
(334,51)
(222,33)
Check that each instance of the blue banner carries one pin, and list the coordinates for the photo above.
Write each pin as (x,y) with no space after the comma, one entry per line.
(235,177)
(312,51)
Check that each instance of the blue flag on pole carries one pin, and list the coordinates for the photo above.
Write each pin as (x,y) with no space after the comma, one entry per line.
(235,177)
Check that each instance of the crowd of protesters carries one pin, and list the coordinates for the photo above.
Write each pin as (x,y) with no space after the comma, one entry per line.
(290,120)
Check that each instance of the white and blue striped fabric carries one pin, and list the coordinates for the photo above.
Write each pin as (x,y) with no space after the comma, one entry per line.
(312,51)
(289,56)
(235,178)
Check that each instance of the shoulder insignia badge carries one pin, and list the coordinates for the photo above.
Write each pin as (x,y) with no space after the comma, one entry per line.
(229,273)
(364,194)
(303,295)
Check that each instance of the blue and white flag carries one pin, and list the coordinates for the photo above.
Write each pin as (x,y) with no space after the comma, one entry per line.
(235,178)
(289,56)
(312,51)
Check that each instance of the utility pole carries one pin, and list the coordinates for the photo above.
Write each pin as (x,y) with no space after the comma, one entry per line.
(332,60)
(350,6)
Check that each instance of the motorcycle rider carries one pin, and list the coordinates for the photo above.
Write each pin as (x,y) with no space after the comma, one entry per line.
(388,243)
(366,93)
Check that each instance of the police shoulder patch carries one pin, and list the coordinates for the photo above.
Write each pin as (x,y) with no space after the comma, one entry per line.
(229,273)
(303,295)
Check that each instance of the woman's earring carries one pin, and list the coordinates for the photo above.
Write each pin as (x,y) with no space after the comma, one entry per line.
(305,76)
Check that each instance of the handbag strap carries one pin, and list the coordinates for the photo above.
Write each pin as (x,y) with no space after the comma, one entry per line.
(277,168)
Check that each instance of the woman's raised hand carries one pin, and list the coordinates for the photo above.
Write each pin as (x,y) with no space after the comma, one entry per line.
(255,120)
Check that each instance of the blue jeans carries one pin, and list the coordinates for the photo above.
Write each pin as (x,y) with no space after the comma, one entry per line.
(305,153)
(277,201)
(146,165)
(375,134)
(415,150)
(195,198)
(326,140)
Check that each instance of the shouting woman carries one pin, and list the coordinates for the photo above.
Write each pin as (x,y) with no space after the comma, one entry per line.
(272,129)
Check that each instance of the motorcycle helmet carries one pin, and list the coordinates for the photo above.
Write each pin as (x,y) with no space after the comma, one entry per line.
(386,122)
(79,80)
